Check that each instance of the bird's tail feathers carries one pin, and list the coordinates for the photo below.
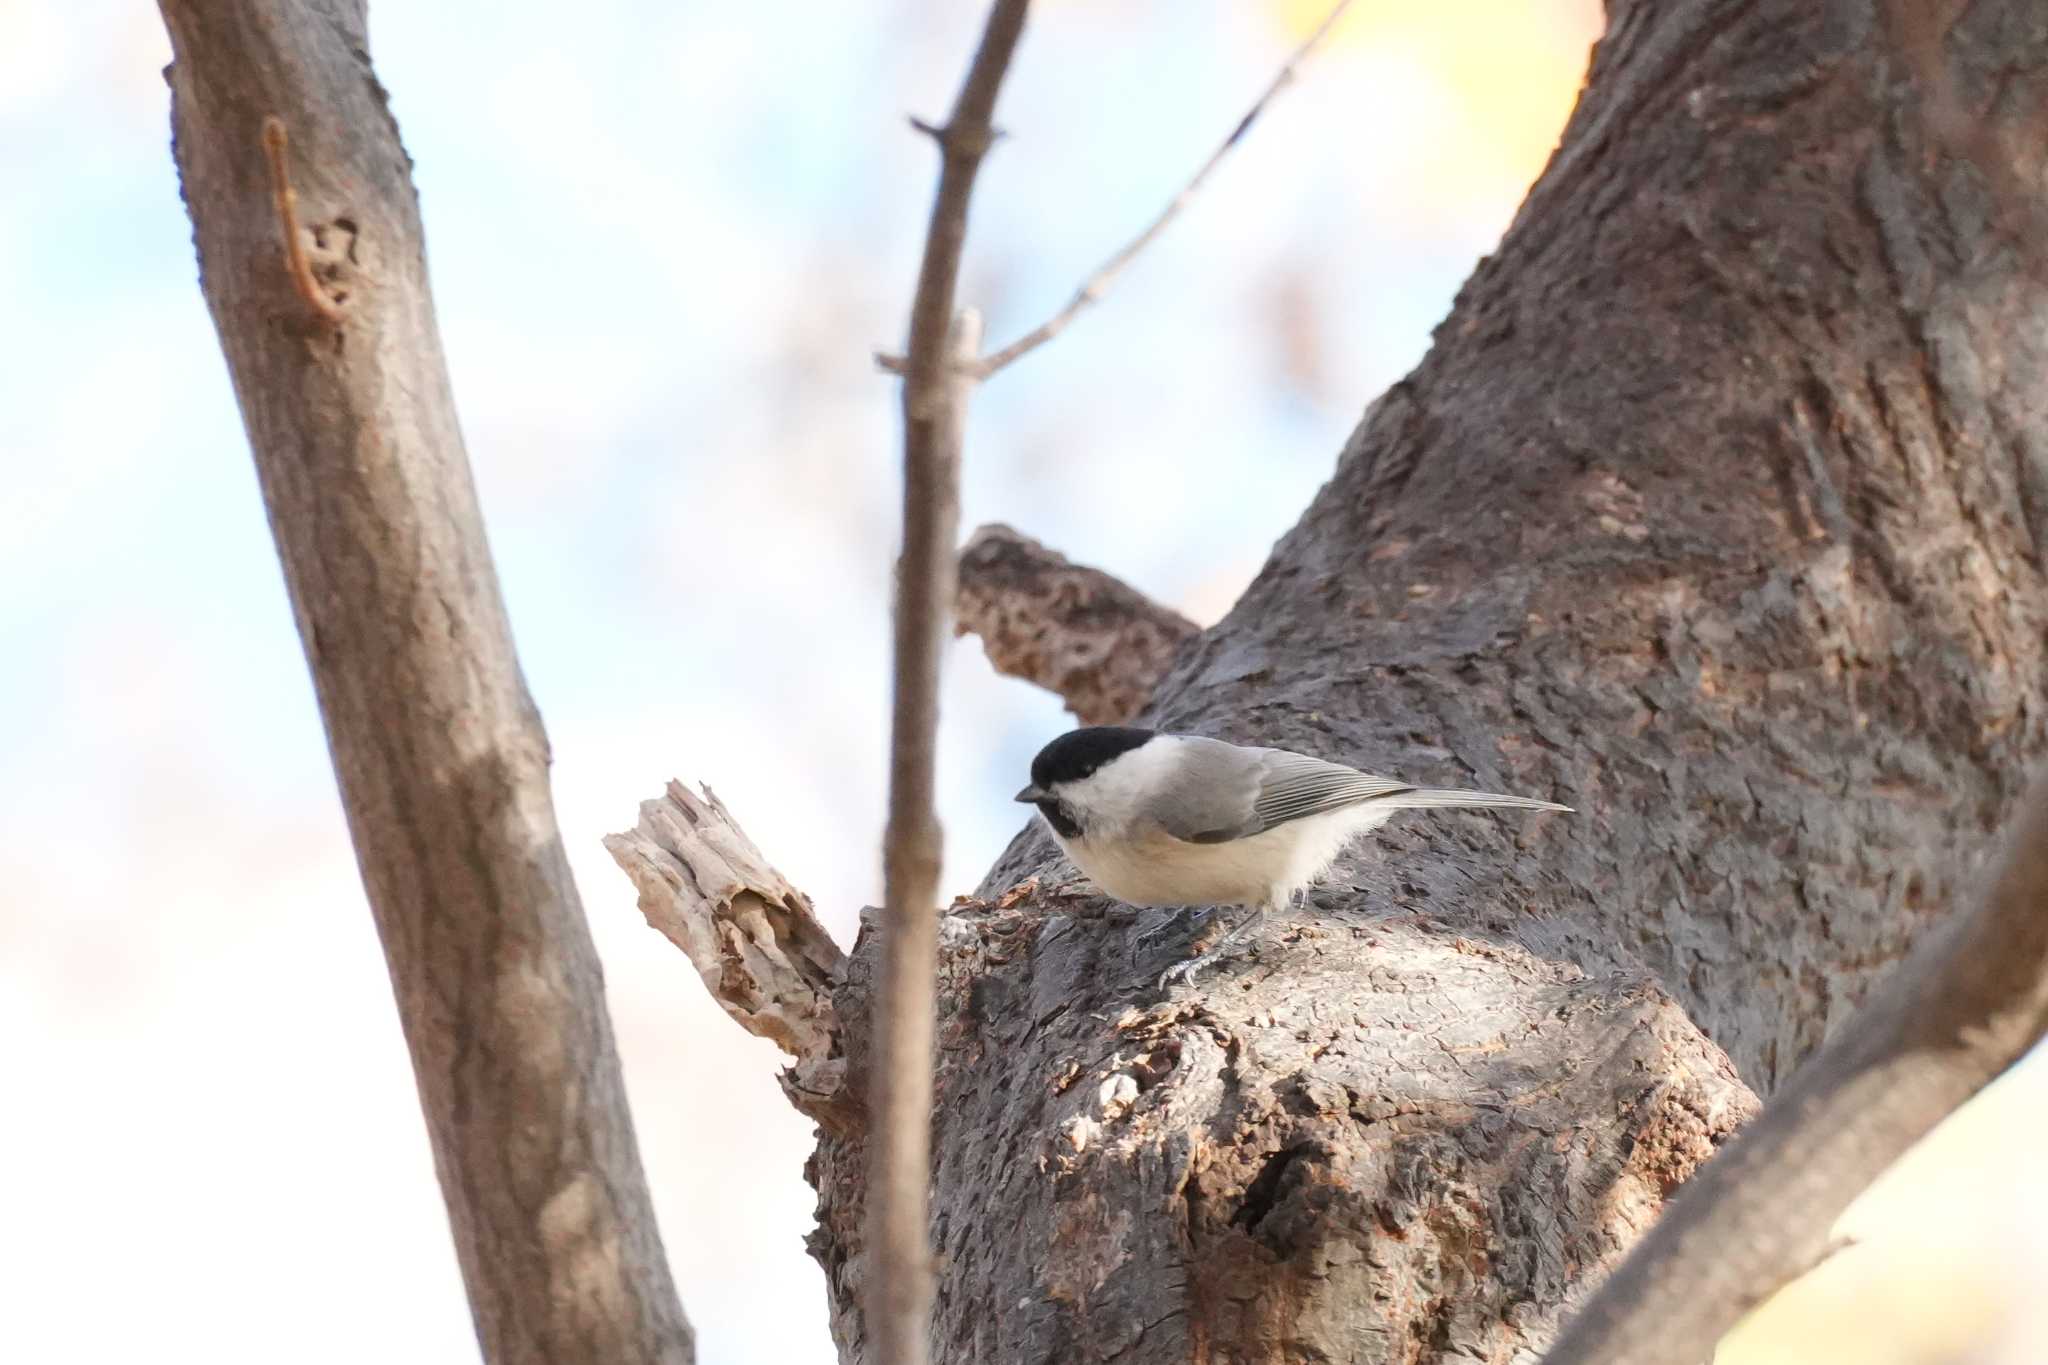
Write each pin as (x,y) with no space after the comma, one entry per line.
(1423,797)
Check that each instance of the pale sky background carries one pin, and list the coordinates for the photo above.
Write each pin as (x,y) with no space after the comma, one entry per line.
(665,239)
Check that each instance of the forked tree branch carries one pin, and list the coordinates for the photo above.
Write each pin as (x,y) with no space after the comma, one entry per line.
(936,385)
(438,750)
(1967,1005)
(1085,635)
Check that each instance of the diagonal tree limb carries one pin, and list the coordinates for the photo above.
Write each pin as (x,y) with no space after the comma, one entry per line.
(936,386)
(438,750)
(1967,1005)
(1085,635)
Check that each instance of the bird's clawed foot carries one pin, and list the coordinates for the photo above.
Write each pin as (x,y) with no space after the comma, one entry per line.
(1184,973)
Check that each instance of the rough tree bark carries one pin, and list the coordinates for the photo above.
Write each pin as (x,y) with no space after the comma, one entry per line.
(313,263)
(1717,511)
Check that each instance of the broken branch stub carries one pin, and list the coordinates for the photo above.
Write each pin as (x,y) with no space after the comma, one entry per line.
(1095,641)
(753,938)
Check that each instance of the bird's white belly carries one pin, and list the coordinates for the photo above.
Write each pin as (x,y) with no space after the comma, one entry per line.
(1267,868)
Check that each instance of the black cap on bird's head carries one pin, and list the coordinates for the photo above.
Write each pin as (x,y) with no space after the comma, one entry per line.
(1077,754)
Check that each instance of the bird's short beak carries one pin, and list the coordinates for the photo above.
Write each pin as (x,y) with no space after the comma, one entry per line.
(1032,794)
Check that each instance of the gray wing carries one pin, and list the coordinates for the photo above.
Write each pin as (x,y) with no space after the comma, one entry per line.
(1213,794)
(1225,792)
(1295,785)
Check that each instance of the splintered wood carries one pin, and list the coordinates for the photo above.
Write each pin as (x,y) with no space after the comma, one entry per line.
(752,937)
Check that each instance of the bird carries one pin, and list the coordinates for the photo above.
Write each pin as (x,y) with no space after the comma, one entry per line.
(1158,819)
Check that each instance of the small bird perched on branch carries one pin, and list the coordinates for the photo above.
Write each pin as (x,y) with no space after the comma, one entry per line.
(1158,819)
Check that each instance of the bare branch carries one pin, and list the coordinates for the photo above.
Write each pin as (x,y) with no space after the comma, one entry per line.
(1968,1004)
(438,751)
(753,938)
(937,383)
(962,142)
(1098,284)
(1098,643)
(899,1287)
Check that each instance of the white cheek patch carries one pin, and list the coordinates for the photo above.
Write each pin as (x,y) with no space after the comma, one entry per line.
(1120,789)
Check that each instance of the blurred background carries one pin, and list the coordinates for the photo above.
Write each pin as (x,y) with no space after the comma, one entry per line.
(665,240)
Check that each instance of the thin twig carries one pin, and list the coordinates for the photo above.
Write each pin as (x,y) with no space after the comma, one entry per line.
(899,1286)
(937,382)
(1098,284)
(287,202)
(1969,1003)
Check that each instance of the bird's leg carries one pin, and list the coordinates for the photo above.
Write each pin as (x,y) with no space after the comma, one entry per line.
(1172,922)
(1185,971)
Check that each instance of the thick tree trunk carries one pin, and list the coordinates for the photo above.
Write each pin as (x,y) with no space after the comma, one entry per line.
(1718,512)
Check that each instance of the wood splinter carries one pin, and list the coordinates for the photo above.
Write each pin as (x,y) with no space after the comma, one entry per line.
(753,938)
(287,201)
